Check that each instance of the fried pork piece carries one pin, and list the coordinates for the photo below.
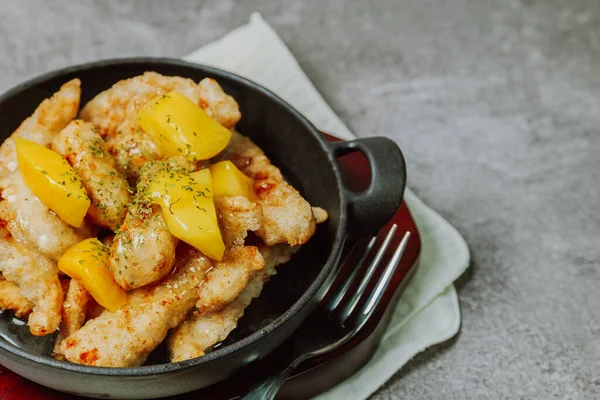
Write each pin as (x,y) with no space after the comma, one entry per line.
(30,221)
(218,104)
(143,250)
(287,216)
(37,277)
(320,215)
(109,109)
(49,118)
(198,333)
(73,313)
(237,215)
(132,148)
(229,277)
(12,299)
(107,188)
(126,337)
(114,112)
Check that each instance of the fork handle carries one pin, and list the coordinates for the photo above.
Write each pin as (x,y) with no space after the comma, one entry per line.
(268,389)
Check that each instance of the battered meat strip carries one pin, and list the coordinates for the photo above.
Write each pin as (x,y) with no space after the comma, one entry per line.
(132,148)
(126,337)
(48,119)
(229,277)
(73,313)
(218,104)
(114,112)
(320,215)
(143,250)
(31,222)
(109,109)
(107,188)
(287,216)
(12,299)
(37,277)
(237,215)
(199,333)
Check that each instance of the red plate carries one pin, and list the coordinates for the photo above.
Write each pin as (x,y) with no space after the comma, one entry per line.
(314,376)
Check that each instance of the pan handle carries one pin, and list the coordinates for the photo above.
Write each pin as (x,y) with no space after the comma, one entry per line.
(370,210)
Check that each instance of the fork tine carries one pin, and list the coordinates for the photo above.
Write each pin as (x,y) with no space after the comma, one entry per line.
(385,278)
(339,295)
(333,278)
(369,274)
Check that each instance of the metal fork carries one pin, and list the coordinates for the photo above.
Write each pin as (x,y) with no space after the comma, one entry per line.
(337,320)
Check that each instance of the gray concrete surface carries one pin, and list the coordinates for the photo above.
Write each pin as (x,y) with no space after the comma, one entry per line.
(496,104)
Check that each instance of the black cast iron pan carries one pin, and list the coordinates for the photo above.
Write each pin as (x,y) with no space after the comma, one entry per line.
(307,161)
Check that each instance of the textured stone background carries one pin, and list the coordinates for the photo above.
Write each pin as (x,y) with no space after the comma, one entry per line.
(496,105)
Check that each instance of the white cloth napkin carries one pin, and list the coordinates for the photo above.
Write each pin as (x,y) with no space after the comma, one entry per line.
(428,313)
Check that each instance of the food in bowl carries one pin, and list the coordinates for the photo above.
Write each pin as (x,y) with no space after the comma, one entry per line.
(146,217)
